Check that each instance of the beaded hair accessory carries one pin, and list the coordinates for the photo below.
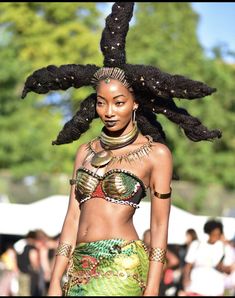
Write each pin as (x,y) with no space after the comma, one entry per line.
(107,73)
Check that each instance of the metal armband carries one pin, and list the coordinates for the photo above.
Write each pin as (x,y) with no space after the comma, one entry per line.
(163,195)
(64,249)
(157,254)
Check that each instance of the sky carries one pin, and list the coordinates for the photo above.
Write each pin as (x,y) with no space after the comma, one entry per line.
(216,25)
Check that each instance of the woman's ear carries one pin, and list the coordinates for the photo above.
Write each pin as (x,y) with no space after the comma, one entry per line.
(136,105)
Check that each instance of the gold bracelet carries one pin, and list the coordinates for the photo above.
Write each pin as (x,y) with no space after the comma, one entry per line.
(64,250)
(157,254)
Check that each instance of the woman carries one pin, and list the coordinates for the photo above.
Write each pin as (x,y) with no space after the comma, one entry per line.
(191,235)
(206,263)
(113,172)
(107,208)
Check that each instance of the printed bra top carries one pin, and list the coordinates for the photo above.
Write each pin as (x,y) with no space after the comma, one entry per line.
(117,186)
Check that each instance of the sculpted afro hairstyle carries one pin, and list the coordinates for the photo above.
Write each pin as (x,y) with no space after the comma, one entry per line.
(153,88)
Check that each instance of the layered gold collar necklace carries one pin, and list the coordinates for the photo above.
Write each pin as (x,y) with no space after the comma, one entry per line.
(102,158)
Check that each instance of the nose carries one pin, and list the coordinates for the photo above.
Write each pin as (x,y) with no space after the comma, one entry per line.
(109,111)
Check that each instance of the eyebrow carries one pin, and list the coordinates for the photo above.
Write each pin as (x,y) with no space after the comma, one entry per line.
(113,97)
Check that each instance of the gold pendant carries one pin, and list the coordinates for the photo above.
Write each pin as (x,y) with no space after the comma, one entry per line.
(101,158)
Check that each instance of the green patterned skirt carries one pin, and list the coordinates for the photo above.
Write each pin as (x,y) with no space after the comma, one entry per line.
(113,267)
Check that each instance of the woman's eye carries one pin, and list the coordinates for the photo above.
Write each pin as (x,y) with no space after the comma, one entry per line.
(99,103)
(119,103)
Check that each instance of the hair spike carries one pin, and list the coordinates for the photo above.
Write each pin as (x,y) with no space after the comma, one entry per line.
(63,77)
(80,122)
(113,38)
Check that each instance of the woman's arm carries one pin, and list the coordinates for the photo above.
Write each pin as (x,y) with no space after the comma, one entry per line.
(69,230)
(160,181)
(186,275)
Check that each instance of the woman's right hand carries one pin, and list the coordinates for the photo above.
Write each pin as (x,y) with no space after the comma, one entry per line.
(54,289)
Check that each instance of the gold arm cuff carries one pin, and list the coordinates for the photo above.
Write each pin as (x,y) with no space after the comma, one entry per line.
(64,250)
(163,195)
(157,254)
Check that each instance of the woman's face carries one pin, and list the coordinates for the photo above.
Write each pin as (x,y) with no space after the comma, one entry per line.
(189,238)
(215,235)
(115,104)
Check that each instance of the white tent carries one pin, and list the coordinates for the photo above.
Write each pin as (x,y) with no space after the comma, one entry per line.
(179,222)
(48,214)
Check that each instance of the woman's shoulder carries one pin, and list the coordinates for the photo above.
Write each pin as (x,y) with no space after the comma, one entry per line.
(161,159)
(81,154)
(160,150)
(82,149)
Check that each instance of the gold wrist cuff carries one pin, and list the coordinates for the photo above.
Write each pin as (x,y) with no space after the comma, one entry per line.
(64,250)
(157,254)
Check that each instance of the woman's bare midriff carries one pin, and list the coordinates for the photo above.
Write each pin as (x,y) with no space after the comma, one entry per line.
(100,220)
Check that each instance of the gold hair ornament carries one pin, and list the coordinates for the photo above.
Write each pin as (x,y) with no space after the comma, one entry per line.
(107,73)
(157,254)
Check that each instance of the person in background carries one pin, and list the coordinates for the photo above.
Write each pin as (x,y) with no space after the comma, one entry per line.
(42,244)
(229,271)
(9,284)
(191,235)
(52,244)
(171,272)
(206,263)
(29,264)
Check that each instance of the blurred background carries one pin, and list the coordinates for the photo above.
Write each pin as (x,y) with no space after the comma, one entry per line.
(175,37)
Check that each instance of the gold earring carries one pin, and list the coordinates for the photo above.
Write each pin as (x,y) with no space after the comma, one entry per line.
(134,115)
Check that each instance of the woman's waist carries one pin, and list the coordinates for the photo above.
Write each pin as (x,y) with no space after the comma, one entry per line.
(99,231)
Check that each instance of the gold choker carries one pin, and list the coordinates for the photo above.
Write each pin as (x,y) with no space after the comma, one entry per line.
(111,143)
(103,157)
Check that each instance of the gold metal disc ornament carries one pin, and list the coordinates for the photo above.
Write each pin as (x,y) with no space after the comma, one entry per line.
(101,158)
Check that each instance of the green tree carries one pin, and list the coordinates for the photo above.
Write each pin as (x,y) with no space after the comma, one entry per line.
(35,35)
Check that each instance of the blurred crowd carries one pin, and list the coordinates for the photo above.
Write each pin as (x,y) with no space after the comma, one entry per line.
(26,265)
(200,267)
(196,268)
